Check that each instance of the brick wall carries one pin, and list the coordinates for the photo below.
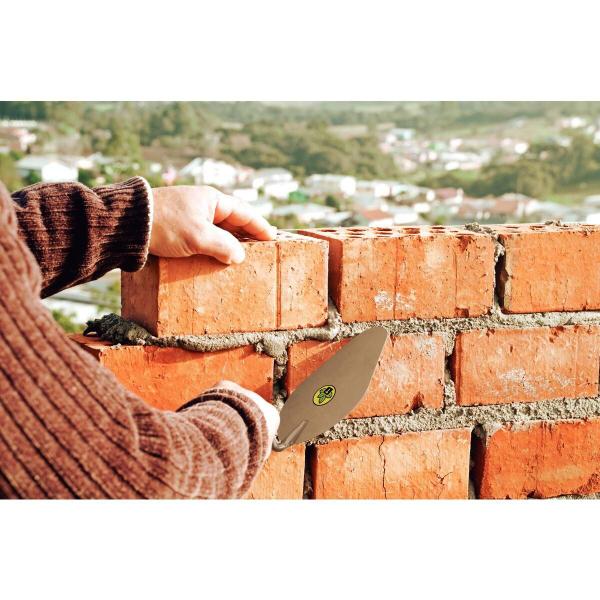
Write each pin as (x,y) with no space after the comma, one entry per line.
(488,386)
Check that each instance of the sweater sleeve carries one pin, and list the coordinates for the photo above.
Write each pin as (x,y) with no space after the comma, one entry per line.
(69,429)
(77,234)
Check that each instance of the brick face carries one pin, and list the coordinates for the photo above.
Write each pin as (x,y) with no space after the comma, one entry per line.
(539,459)
(410,373)
(526,365)
(282,477)
(168,377)
(404,272)
(281,285)
(549,268)
(430,464)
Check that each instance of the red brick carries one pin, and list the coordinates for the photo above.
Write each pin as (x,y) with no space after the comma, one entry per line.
(282,477)
(539,459)
(549,268)
(168,377)
(497,366)
(404,272)
(429,464)
(281,285)
(410,373)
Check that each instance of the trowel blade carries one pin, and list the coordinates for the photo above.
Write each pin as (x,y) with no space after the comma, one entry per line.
(332,391)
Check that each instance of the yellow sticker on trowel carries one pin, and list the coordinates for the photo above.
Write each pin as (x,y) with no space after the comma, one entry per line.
(324,395)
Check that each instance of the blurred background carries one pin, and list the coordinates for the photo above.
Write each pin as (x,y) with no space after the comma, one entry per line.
(318,163)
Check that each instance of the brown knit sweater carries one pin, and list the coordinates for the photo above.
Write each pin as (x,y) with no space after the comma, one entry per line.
(68,429)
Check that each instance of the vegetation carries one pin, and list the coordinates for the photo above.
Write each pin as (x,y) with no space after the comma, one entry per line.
(308,148)
(67,321)
(545,168)
(299,136)
(8,172)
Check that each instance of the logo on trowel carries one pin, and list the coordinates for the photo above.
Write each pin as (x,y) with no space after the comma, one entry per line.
(324,395)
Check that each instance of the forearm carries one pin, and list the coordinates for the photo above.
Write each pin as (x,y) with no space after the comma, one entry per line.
(69,429)
(77,234)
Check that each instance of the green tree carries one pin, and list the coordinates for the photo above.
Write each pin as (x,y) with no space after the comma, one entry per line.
(31,178)
(67,321)
(87,177)
(123,143)
(332,201)
(9,174)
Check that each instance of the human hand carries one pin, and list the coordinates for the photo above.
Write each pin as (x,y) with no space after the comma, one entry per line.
(185,223)
(270,413)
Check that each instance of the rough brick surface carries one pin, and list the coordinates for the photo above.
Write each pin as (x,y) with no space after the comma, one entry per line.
(539,459)
(281,285)
(404,272)
(549,268)
(282,477)
(526,365)
(431,464)
(410,373)
(168,377)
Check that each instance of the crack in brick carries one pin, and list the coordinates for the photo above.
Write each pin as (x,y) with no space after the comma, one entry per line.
(383,460)
(441,482)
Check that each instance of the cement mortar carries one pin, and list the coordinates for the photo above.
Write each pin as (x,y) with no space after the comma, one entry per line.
(483,419)
(275,343)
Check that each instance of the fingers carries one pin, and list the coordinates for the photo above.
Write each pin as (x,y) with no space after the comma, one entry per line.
(237,214)
(218,243)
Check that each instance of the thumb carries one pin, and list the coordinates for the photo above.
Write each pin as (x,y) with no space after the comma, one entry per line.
(220,244)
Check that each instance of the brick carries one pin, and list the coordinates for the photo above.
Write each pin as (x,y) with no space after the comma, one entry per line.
(549,268)
(497,366)
(403,272)
(281,285)
(429,464)
(282,477)
(539,459)
(410,373)
(168,377)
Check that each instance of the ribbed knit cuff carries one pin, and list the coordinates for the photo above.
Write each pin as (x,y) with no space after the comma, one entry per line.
(130,203)
(254,419)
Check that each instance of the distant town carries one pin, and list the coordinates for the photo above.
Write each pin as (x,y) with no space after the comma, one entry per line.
(336,199)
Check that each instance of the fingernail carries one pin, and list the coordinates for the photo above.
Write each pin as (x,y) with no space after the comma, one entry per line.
(238,255)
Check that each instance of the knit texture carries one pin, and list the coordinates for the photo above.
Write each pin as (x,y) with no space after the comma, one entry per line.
(68,429)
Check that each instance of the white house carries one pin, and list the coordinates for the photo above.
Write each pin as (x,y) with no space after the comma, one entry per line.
(367,201)
(379,189)
(384,189)
(263,207)
(275,183)
(17,138)
(48,169)
(280,189)
(306,213)
(332,184)
(404,215)
(261,177)
(592,201)
(209,171)
(399,134)
(593,219)
(247,194)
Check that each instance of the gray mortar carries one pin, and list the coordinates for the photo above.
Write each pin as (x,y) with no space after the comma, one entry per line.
(275,343)
(484,419)
(115,329)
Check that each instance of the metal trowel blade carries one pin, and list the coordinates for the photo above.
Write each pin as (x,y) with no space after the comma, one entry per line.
(332,391)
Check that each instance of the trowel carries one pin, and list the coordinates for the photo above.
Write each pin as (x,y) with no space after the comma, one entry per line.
(332,391)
